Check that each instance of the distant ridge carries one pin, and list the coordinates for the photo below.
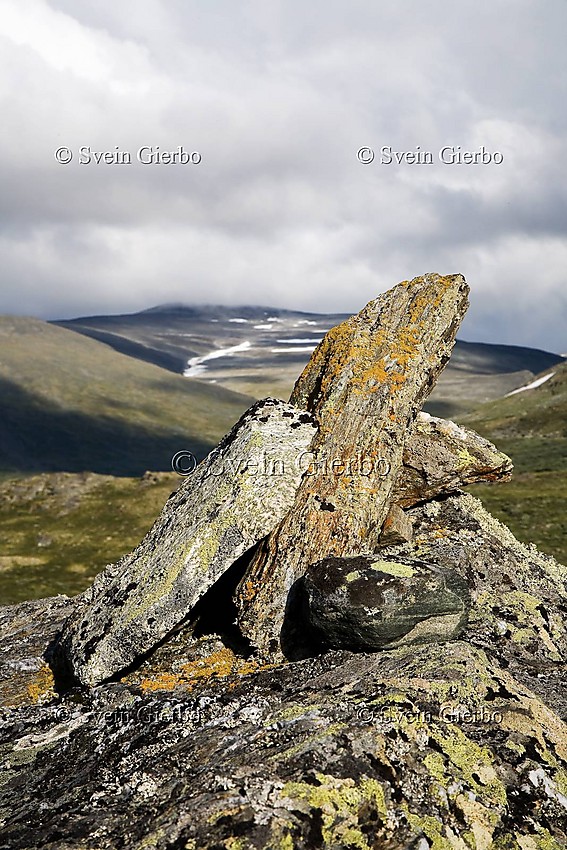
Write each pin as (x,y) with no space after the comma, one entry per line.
(278,343)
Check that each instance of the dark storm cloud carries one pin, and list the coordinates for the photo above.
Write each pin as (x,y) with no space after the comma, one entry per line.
(278,97)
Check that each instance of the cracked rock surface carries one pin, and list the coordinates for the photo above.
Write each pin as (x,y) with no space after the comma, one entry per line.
(454,745)
(151,711)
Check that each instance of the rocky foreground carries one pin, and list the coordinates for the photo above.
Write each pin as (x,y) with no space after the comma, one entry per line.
(322,642)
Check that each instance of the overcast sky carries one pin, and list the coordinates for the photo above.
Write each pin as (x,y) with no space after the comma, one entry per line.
(277,97)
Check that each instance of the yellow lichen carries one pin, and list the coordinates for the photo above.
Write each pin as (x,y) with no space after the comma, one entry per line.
(43,686)
(220,664)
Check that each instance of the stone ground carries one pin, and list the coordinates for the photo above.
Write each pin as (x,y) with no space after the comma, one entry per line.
(455,745)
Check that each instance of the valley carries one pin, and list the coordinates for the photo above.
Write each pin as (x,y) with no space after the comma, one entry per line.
(94,409)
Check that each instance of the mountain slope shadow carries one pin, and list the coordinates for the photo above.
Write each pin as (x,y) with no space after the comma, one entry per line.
(39,436)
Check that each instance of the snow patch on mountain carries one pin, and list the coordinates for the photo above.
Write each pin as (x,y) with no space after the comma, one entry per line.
(295,349)
(298,340)
(195,365)
(537,383)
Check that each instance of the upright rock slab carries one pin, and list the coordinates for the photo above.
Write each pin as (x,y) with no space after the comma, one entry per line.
(365,383)
(236,496)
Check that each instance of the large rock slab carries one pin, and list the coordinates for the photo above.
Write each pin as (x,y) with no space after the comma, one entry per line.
(236,496)
(365,383)
(423,746)
(440,457)
(368,603)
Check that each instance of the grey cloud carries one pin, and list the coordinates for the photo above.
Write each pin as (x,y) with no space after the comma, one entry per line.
(278,97)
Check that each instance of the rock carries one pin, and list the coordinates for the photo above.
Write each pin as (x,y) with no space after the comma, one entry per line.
(519,595)
(235,497)
(198,744)
(457,744)
(434,745)
(366,603)
(27,633)
(440,457)
(397,528)
(365,383)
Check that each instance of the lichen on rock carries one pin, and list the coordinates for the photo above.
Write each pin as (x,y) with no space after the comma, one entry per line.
(449,735)
(234,498)
(365,603)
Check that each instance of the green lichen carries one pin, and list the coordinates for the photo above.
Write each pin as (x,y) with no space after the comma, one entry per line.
(211,535)
(340,802)
(284,842)
(202,546)
(465,460)
(352,576)
(514,747)
(521,635)
(393,568)
(310,741)
(150,591)
(494,528)
(545,841)
(293,712)
(475,763)
(435,764)
(432,829)
(560,779)
(528,625)
(151,841)
(522,600)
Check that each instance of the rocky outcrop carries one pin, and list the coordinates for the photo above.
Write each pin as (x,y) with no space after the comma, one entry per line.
(365,383)
(190,730)
(233,499)
(458,746)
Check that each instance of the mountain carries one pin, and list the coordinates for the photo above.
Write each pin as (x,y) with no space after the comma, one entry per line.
(530,425)
(70,403)
(530,422)
(261,351)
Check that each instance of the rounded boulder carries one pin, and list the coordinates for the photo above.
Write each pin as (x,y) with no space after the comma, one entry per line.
(368,603)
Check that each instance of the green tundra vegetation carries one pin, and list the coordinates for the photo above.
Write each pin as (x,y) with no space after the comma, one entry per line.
(81,423)
(531,427)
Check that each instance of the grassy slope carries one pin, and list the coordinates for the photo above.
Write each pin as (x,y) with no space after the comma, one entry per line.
(70,403)
(531,427)
(59,529)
